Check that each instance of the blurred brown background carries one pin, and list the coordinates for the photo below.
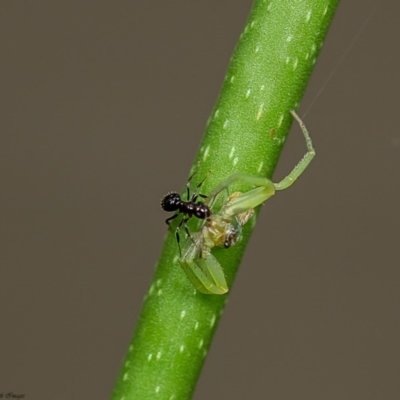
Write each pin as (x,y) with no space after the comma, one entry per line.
(103,105)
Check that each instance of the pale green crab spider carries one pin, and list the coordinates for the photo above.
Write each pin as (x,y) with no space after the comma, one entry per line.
(223,228)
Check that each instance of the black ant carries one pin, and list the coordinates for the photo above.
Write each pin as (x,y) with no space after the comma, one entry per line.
(172,201)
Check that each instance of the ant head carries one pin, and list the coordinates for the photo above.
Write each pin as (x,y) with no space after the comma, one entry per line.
(171,201)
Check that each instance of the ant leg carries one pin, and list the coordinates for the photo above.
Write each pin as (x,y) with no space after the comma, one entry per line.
(178,238)
(168,220)
(303,163)
(178,241)
(195,193)
(188,185)
(191,176)
(187,231)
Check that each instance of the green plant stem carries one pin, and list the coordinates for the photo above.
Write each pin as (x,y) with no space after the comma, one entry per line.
(247,129)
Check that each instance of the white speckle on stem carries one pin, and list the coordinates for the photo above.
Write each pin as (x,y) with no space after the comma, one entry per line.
(232,152)
(183,313)
(260,166)
(248,93)
(260,111)
(280,121)
(151,290)
(313,48)
(159,355)
(149,357)
(235,161)
(226,123)
(213,319)
(281,140)
(206,151)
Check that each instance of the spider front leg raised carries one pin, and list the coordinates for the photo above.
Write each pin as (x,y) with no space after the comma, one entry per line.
(303,163)
(264,188)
